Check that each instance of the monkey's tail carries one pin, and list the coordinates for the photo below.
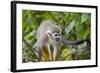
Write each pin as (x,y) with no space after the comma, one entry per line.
(76,42)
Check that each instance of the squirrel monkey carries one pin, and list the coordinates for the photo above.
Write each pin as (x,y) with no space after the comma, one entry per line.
(48,41)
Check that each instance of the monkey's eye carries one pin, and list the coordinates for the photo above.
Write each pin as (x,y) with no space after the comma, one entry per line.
(59,34)
(55,34)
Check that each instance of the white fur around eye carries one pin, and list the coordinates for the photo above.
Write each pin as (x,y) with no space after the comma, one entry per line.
(56,34)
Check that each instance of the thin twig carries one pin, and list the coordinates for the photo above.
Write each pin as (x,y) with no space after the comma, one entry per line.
(31,48)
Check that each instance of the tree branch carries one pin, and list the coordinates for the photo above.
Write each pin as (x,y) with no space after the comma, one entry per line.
(31,48)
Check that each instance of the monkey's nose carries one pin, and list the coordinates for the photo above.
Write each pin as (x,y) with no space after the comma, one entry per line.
(57,39)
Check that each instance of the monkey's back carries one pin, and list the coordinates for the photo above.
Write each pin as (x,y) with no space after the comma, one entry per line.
(44,26)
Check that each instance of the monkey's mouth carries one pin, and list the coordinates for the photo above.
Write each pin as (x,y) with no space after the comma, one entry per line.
(57,39)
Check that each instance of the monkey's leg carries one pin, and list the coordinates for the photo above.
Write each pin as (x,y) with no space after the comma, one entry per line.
(55,52)
(50,50)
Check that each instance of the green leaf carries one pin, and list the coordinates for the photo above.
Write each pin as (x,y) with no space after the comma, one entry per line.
(67,54)
(86,34)
(70,27)
(84,17)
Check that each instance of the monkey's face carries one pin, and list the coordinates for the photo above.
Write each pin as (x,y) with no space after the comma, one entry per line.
(54,37)
(57,36)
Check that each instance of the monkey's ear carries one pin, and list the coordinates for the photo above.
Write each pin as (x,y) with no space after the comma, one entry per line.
(48,32)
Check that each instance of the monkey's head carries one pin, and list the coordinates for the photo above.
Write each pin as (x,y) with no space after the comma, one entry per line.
(54,34)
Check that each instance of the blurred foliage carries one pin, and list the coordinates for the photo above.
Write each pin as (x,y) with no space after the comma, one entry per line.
(74,26)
